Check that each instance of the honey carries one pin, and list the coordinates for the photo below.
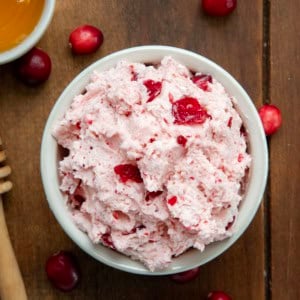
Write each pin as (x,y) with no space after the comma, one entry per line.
(18,19)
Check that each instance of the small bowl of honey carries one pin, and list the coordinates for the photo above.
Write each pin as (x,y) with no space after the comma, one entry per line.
(22,24)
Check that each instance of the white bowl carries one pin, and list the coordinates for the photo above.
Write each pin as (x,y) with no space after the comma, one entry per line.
(257,148)
(33,37)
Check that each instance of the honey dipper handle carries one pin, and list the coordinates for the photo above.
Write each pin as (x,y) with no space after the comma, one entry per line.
(11,282)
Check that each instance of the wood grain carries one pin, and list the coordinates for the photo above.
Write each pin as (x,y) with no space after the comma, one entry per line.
(11,281)
(285,159)
(231,42)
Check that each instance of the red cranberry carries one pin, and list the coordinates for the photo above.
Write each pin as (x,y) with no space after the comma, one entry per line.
(218,8)
(78,125)
(181,140)
(34,67)
(229,123)
(271,118)
(128,172)
(85,39)
(134,75)
(63,152)
(243,131)
(153,89)
(115,215)
(172,201)
(140,227)
(202,81)
(77,198)
(62,270)
(229,225)
(240,157)
(188,111)
(107,241)
(186,276)
(218,295)
(152,195)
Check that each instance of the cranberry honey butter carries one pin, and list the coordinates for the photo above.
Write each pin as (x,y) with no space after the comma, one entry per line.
(156,160)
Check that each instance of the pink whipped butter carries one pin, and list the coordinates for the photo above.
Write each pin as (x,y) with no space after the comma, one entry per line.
(157,160)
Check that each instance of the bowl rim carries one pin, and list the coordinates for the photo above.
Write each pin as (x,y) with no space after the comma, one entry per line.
(32,39)
(261,163)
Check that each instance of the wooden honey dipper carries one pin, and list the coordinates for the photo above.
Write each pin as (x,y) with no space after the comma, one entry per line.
(11,282)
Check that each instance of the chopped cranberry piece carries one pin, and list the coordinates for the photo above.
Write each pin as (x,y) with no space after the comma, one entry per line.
(153,88)
(77,200)
(229,225)
(151,195)
(62,271)
(133,230)
(271,118)
(172,200)
(107,241)
(218,295)
(181,140)
(128,113)
(188,111)
(185,276)
(140,227)
(134,75)
(78,125)
(229,123)
(243,131)
(240,157)
(202,81)
(63,152)
(115,215)
(128,172)
(218,8)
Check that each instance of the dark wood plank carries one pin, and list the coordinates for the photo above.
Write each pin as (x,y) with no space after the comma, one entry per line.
(285,159)
(231,42)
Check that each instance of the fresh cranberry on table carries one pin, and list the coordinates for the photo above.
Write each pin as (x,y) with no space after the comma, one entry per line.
(62,271)
(218,8)
(85,39)
(218,295)
(34,67)
(271,118)
(185,276)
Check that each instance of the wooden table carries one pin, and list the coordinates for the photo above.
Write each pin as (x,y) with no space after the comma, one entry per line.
(260,45)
